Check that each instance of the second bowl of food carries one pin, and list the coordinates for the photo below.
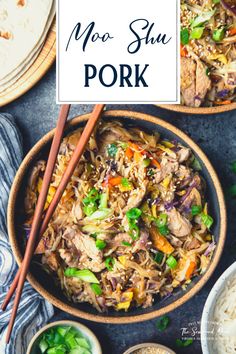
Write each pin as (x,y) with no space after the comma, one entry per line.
(219,315)
(208,61)
(139,229)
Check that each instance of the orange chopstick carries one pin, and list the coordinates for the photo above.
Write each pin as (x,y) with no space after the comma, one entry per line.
(95,115)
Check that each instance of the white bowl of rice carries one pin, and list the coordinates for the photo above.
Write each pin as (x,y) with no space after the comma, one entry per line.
(218,324)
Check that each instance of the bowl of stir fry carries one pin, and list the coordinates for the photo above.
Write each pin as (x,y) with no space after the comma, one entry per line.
(139,229)
(208,56)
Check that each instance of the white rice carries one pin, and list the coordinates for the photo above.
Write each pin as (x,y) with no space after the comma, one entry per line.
(224,317)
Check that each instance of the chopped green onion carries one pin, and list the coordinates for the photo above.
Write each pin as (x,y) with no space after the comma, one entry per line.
(125,182)
(94,235)
(146,162)
(196,209)
(58,338)
(218,34)
(70,340)
(161,220)
(134,213)
(92,197)
(216,1)
(62,330)
(208,71)
(89,209)
(90,202)
(109,263)
(159,257)
(163,323)
(123,145)
(207,220)
(197,33)
(132,216)
(202,18)
(43,345)
(57,350)
(184,343)
(100,214)
(49,337)
(83,274)
(184,36)
(96,289)
(163,230)
(171,262)
(134,230)
(79,350)
(232,190)
(126,244)
(100,244)
(233,166)
(196,164)
(112,150)
(103,200)
(82,342)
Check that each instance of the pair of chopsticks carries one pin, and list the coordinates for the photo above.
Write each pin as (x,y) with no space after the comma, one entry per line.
(38,226)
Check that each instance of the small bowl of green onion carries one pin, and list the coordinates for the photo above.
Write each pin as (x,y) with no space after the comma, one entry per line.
(64,337)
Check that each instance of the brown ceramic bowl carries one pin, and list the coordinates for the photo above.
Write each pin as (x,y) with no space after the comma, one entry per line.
(199,110)
(43,283)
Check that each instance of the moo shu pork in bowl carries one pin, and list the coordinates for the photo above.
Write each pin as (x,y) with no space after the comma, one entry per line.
(208,56)
(139,229)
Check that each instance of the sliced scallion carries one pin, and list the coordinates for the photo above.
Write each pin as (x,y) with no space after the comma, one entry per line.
(96,289)
(125,243)
(218,34)
(100,244)
(197,33)
(171,262)
(83,274)
(196,209)
(109,263)
(161,220)
(125,182)
(146,162)
(207,220)
(184,36)
(133,214)
(202,18)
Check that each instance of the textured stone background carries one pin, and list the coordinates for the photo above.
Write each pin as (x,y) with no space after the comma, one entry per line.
(36,113)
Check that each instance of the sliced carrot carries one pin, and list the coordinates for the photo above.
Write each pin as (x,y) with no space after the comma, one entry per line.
(136,147)
(183,51)
(160,242)
(190,270)
(222,102)
(232,31)
(138,151)
(129,153)
(114,181)
(155,163)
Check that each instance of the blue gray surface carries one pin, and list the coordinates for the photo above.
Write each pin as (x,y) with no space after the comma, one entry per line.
(36,113)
